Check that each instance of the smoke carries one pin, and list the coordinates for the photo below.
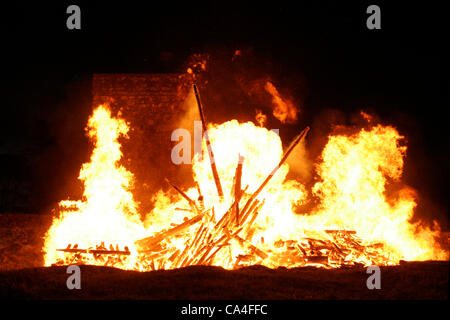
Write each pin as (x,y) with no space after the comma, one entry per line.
(188,113)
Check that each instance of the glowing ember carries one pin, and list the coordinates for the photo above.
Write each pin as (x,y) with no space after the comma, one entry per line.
(357,221)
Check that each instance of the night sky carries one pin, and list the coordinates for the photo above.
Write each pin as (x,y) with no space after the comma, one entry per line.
(322,47)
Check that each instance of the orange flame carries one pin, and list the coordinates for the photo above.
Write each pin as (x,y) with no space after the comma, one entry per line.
(354,171)
(260,118)
(107,213)
(283,109)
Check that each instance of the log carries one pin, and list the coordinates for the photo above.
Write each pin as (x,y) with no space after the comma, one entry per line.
(197,236)
(312,240)
(200,197)
(376,245)
(253,248)
(208,144)
(223,222)
(224,217)
(317,259)
(183,209)
(237,187)
(95,251)
(198,239)
(302,250)
(153,240)
(213,214)
(246,213)
(340,231)
(252,220)
(157,255)
(184,262)
(338,250)
(197,248)
(191,202)
(161,264)
(210,247)
(212,255)
(181,256)
(174,255)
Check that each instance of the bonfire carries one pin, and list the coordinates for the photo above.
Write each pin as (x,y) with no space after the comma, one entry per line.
(241,211)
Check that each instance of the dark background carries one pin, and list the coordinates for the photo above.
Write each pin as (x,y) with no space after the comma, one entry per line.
(324,47)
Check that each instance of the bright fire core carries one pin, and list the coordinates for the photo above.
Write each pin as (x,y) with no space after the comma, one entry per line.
(356,221)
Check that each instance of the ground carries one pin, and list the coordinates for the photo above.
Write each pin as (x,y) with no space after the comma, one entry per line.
(22,277)
(418,280)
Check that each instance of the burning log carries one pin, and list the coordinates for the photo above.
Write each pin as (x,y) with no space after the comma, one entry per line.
(180,257)
(213,214)
(161,264)
(96,251)
(301,249)
(340,231)
(222,221)
(208,144)
(237,187)
(338,250)
(249,211)
(200,233)
(109,252)
(174,255)
(211,246)
(196,249)
(245,258)
(200,197)
(252,248)
(191,202)
(249,229)
(317,259)
(157,255)
(212,255)
(149,242)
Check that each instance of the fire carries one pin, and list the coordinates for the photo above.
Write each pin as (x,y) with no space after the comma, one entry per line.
(107,213)
(283,109)
(260,118)
(355,170)
(255,221)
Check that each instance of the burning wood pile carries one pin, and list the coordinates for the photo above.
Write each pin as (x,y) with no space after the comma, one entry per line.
(251,224)
(211,237)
